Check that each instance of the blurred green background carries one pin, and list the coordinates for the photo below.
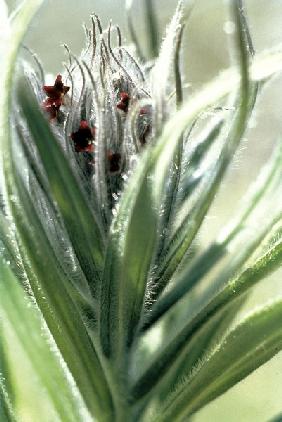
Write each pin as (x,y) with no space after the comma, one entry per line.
(259,397)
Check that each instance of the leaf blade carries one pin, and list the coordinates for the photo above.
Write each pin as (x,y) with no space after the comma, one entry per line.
(262,337)
(60,310)
(217,250)
(18,316)
(167,359)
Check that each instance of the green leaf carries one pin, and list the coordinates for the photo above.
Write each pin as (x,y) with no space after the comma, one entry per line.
(197,155)
(197,348)
(5,413)
(54,295)
(195,271)
(82,226)
(26,347)
(202,342)
(169,57)
(210,307)
(162,69)
(189,226)
(10,248)
(186,185)
(35,168)
(48,213)
(189,223)
(14,33)
(250,344)
(6,393)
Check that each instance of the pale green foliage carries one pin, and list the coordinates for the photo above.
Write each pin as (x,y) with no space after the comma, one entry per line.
(84,279)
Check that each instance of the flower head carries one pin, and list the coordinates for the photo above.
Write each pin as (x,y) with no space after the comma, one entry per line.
(124,102)
(55,96)
(101,110)
(83,138)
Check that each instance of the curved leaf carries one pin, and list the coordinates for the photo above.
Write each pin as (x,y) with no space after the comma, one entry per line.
(21,331)
(174,352)
(15,33)
(249,345)
(55,298)
(162,67)
(189,276)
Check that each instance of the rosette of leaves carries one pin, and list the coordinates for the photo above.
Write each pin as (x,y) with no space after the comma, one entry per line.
(107,176)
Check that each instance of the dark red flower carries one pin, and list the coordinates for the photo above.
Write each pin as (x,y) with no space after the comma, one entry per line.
(58,90)
(124,102)
(55,96)
(51,109)
(84,138)
(114,159)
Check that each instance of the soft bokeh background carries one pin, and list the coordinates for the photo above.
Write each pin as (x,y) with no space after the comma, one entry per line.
(259,397)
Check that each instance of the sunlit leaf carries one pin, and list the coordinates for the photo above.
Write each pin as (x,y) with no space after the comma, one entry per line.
(193,272)
(25,348)
(211,306)
(247,346)
(55,298)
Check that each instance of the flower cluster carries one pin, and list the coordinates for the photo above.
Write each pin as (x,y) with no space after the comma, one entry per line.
(84,137)
(101,110)
(55,97)
(105,108)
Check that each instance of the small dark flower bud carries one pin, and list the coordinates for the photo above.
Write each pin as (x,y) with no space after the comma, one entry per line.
(124,102)
(114,160)
(84,138)
(55,96)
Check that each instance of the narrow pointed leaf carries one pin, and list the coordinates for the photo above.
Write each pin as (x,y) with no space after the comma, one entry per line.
(205,340)
(12,36)
(10,247)
(206,140)
(162,69)
(54,295)
(169,55)
(189,227)
(249,345)
(167,359)
(21,329)
(189,276)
